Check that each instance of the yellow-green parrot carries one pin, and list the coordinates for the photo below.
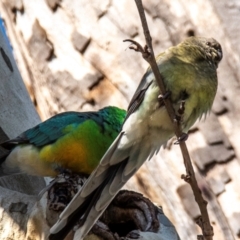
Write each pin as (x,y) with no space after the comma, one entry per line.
(189,72)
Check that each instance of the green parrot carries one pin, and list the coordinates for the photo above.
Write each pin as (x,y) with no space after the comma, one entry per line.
(189,72)
(71,140)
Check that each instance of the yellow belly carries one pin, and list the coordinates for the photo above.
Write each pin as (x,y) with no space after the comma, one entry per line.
(79,150)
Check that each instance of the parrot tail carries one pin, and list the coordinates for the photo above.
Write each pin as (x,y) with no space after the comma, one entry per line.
(3,156)
(87,209)
(5,150)
(114,170)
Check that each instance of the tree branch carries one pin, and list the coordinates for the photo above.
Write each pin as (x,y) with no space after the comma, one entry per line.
(149,56)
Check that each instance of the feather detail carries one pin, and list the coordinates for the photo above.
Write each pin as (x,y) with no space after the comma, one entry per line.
(189,73)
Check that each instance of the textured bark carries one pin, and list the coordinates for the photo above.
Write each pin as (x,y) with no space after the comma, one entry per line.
(18,192)
(71,56)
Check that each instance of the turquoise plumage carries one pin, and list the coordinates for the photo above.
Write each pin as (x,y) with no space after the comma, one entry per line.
(70,140)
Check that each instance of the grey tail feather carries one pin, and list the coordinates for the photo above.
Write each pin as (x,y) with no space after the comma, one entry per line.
(5,149)
(45,189)
(3,154)
(83,210)
(10,144)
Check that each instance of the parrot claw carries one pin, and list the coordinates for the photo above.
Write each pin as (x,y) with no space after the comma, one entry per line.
(182,138)
(164,96)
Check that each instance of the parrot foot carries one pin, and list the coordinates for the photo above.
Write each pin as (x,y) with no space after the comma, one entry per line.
(182,138)
(138,48)
(166,95)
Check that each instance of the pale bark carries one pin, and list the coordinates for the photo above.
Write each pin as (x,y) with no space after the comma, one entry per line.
(18,192)
(71,57)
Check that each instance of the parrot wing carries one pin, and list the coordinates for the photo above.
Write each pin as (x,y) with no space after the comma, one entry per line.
(139,94)
(52,129)
(114,170)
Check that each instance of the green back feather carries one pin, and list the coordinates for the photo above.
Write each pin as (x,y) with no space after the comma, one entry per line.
(52,129)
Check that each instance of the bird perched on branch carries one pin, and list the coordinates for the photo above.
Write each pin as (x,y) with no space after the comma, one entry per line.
(72,140)
(189,72)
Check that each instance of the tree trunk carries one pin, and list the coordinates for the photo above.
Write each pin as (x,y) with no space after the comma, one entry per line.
(18,192)
(71,56)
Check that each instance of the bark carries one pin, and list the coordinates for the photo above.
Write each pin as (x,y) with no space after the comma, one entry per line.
(18,192)
(71,56)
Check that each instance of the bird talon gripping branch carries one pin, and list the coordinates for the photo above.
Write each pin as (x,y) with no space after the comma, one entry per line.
(182,138)
(166,95)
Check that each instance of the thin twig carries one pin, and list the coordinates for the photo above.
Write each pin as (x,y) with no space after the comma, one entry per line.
(204,221)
